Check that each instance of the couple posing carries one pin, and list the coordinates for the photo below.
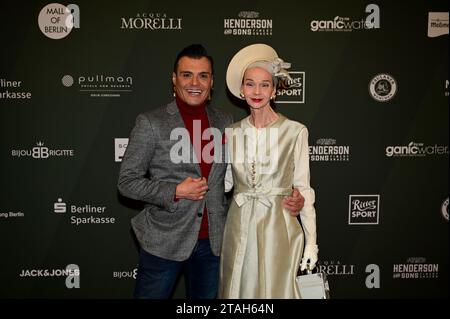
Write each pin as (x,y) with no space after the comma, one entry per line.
(187,224)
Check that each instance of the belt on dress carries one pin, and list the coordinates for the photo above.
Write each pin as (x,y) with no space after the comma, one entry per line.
(242,196)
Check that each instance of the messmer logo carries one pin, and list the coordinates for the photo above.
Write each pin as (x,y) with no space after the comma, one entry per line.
(56,21)
(292,90)
(437,24)
(120,145)
(363,209)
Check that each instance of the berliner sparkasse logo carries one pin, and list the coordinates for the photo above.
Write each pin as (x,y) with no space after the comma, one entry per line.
(363,209)
(383,87)
(13,89)
(83,214)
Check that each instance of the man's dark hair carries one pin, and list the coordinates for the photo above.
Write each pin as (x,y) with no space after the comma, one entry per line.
(193,51)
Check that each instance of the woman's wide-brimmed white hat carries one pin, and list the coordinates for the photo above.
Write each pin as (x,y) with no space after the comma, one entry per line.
(249,55)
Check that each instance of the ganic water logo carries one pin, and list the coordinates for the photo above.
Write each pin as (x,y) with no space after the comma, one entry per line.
(372,21)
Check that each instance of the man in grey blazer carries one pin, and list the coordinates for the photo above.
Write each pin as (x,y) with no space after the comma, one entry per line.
(181,227)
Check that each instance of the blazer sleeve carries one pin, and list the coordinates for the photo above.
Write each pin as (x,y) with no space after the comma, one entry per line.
(133,180)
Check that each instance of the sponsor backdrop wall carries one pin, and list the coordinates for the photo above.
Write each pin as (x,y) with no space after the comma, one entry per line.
(370,81)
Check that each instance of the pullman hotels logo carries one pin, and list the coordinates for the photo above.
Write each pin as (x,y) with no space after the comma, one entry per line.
(292,91)
(247,23)
(151,21)
(100,85)
(363,209)
(56,21)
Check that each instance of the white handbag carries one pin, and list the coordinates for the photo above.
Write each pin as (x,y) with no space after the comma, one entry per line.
(313,286)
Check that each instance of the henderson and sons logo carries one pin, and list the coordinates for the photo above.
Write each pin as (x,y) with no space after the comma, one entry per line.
(415,268)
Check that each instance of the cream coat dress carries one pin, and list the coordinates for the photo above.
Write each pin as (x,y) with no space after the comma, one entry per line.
(263,244)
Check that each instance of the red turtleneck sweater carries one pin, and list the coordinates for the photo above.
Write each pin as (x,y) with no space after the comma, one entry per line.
(190,113)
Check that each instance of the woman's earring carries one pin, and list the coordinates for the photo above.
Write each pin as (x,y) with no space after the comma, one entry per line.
(174,92)
(241,95)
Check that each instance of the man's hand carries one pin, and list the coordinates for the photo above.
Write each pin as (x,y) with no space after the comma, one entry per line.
(294,203)
(192,188)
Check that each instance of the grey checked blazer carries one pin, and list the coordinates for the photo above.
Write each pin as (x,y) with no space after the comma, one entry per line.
(168,228)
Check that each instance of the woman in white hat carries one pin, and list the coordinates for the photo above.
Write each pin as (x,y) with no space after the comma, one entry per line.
(263,244)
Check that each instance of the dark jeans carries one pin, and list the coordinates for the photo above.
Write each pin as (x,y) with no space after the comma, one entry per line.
(156,276)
